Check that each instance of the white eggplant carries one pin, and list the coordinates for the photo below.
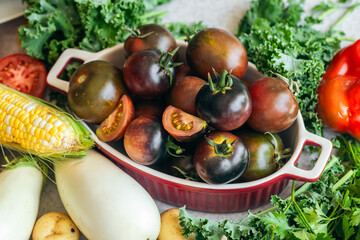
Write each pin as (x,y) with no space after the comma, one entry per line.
(20,189)
(104,202)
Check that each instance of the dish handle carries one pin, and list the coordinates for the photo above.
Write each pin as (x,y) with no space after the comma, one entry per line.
(296,173)
(65,58)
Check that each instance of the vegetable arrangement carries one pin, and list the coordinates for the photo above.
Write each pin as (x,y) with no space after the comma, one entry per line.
(219,105)
(327,209)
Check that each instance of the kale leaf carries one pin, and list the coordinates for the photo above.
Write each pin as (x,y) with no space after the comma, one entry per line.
(92,25)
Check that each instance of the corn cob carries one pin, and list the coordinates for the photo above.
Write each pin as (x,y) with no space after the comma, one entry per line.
(31,125)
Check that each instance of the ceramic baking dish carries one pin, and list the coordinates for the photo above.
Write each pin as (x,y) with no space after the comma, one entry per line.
(198,195)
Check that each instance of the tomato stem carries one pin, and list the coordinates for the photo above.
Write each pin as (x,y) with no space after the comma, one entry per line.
(223,82)
(221,149)
(166,64)
(173,147)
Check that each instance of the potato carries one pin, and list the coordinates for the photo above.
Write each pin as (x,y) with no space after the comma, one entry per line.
(170,226)
(55,226)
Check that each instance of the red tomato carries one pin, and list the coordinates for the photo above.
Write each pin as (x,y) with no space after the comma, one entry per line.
(23,73)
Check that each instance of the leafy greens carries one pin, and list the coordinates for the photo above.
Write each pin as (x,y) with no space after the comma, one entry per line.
(92,25)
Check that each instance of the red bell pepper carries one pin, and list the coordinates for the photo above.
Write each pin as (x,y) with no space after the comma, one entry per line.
(339,92)
(346,62)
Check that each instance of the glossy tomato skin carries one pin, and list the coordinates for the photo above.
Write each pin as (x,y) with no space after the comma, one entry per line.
(149,80)
(114,126)
(23,73)
(181,125)
(262,156)
(183,93)
(274,107)
(224,110)
(217,169)
(158,36)
(217,49)
(145,140)
(94,90)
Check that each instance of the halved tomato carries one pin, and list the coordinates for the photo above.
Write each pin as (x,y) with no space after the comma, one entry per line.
(23,73)
(114,126)
(181,125)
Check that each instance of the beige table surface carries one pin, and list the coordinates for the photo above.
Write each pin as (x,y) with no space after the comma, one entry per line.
(225,14)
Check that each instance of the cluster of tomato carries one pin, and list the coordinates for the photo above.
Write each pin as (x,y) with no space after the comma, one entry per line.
(187,118)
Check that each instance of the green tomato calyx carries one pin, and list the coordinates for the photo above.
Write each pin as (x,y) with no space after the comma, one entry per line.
(223,81)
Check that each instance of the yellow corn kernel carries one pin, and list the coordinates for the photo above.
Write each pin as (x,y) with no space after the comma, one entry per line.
(2,116)
(32,117)
(11,121)
(52,119)
(52,131)
(28,127)
(37,132)
(42,134)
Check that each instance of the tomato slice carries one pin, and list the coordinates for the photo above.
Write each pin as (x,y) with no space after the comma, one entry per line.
(181,125)
(23,73)
(114,126)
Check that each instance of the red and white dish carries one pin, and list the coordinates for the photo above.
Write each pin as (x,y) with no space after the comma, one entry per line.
(201,196)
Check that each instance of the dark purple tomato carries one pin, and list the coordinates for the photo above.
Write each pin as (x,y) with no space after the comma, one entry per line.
(217,49)
(262,156)
(94,91)
(181,125)
(227,108)
(183,93)
(150,36)
(145,140)
(274,107)
(145,76)
(221,157)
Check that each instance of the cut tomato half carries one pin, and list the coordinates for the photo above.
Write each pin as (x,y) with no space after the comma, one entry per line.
(114,126)
(181,125)
(23,73)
